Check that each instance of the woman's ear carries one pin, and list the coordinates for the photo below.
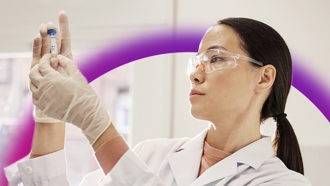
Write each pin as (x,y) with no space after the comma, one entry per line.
(267,77)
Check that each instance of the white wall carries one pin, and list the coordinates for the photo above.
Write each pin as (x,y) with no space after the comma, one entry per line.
(162,81)
(91,23)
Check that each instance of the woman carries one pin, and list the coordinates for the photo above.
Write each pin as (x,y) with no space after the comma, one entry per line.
(240,77)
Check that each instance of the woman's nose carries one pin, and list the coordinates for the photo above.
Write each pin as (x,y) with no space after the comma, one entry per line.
(197,76)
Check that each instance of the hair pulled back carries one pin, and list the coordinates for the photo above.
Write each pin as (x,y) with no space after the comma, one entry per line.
(265,44)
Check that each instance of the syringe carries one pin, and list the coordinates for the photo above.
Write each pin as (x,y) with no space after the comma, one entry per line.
(52,34)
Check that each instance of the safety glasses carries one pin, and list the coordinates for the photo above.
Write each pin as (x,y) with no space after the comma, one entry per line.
(214,60)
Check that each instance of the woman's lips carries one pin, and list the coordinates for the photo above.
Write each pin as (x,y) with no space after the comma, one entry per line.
(195,93)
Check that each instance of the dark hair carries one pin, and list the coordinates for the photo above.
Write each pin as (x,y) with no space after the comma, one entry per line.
(264,44)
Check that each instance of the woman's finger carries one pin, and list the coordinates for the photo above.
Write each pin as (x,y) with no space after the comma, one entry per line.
(45,40)
(45,67)
(35,75)
(54,63)
(36,51)
(67,64)
(33,87)
(34,99)
(65,34)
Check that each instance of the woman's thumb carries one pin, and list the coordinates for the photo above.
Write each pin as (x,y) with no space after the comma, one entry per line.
(44,66)
(67,64)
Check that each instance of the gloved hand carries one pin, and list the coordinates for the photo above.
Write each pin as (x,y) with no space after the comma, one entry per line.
(68,98)
(41,46)
(40,117)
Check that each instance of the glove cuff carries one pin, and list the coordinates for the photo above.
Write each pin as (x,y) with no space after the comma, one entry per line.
(101,122)
(46,120)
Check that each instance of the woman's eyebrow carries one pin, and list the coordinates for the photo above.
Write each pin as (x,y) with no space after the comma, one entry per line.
(217,47)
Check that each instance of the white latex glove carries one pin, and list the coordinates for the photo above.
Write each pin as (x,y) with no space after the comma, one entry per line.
(41,46)
(68,98)
(40,117)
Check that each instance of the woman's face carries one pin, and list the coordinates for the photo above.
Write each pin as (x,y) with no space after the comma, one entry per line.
(227,92)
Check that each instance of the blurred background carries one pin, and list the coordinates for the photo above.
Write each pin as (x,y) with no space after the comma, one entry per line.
(149,98)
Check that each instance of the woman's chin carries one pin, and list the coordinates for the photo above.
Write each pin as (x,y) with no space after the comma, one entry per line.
(197,114)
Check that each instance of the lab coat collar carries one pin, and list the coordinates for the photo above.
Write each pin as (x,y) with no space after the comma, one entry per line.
(252,155)
(255,153)
(185,162)
(187,159)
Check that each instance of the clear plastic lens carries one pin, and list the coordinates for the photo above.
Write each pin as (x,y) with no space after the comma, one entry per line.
(212,60)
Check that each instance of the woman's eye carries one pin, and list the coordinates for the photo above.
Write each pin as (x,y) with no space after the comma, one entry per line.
(216,59)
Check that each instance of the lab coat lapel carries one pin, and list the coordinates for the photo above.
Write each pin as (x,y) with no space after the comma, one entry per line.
(252,155)
(185,162)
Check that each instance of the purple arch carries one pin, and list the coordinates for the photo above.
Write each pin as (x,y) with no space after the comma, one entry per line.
(150,44)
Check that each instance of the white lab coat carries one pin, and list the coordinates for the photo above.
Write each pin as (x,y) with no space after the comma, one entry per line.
(170,162)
